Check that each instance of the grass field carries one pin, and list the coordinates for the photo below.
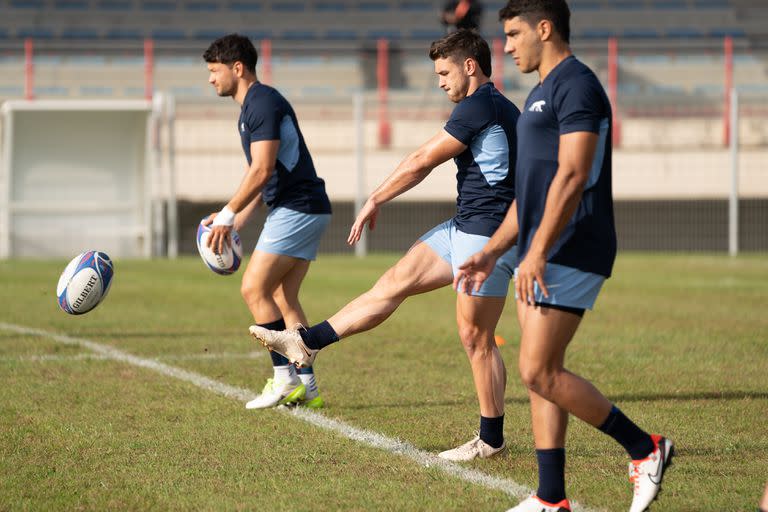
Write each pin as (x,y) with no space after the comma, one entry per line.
(680,342)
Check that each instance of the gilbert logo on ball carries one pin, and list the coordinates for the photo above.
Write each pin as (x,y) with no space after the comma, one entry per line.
(230,258)
(85,282)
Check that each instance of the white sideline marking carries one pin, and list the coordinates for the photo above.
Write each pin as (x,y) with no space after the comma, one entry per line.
(373,439)
(98,357)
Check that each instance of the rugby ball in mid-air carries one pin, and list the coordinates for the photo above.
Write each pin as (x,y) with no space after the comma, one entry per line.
(225,263)
(85,282)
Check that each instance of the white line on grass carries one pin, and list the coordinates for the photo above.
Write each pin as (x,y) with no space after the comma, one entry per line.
(101,357)
(374,439)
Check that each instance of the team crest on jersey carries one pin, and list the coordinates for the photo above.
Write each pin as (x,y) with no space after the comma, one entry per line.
(537,106)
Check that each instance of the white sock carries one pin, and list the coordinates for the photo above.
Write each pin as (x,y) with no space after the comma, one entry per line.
(285,373)
(310,383)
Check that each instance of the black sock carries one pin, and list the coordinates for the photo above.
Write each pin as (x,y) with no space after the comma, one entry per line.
(319,336)
(492,430)
(277,325)
(551,474)
(636,441)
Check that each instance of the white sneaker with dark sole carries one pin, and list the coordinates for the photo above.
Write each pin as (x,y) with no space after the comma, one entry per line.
(288,343)
(475,448)
(646,474)
(278,393)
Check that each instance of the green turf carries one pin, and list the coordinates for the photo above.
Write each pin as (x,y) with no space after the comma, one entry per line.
(680,342)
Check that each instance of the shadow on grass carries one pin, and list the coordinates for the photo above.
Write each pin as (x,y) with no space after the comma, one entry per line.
(690,395)
(650,397)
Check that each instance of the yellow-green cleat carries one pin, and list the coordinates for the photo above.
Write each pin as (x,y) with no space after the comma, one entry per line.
(312,403)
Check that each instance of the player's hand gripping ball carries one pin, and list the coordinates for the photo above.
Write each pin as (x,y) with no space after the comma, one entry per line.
(230,258)
(85,282)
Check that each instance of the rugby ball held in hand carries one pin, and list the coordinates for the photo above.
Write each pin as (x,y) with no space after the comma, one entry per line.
(85,282)
(225,263)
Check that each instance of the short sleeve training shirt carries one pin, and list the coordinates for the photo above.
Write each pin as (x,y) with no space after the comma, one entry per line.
(485,122)
(294,184)
(570,99)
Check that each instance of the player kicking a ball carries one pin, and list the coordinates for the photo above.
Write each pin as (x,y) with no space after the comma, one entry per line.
(566,243)
(281,173)
(480,137)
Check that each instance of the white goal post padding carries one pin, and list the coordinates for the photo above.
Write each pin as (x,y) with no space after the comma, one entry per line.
(76,175)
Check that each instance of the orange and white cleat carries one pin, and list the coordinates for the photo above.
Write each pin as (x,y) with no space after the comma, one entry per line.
(536,504)
(646,474)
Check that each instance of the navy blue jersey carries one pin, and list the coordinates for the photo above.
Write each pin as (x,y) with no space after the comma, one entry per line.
(571,99)
(485,122)
(294,184)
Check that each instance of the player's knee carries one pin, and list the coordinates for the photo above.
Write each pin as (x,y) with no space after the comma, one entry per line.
(252,293)
(537,378)
(474,339)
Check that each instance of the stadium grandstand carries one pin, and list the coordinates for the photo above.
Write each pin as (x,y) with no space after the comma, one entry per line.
(669,66)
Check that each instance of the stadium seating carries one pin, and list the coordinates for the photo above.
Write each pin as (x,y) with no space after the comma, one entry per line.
(340,34)
(406,19)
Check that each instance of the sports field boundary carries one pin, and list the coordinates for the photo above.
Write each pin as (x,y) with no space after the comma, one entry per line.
(366,437)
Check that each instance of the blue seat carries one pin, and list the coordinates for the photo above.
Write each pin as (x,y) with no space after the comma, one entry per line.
(383,34)
(96,90)
(210,34)
(79,33)
(712,4)
(426,34)
(727,31)
(587,6)
(75,5)
(115,5)
(330,6)
(341,35)
(134,91)
(27,4)
(201,6)
(51,90)
(158,6)
(168,34)
(244,6)
(683,32)
(298,35)
(596,33)
(640,33)
(288,7)
(417,6)
(670,5)
(257,35)
(374,6)
(124,33)
(35,33)
(11,90)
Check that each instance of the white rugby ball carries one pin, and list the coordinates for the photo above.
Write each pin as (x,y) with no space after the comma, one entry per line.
(230,258)
(85,282)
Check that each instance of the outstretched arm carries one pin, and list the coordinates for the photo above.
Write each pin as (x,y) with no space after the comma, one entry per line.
(408,174)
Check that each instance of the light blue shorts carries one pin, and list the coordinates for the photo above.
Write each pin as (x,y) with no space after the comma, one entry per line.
(456,247)
(568,287)
(293,233)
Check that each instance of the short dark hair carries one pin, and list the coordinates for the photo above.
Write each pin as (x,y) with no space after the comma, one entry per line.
(463,44)
(533,11)
(233,48)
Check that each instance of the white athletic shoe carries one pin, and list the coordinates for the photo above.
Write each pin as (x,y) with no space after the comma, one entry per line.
(287,343)
(646,474)
(472,449)
(535,504)
(278,393)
